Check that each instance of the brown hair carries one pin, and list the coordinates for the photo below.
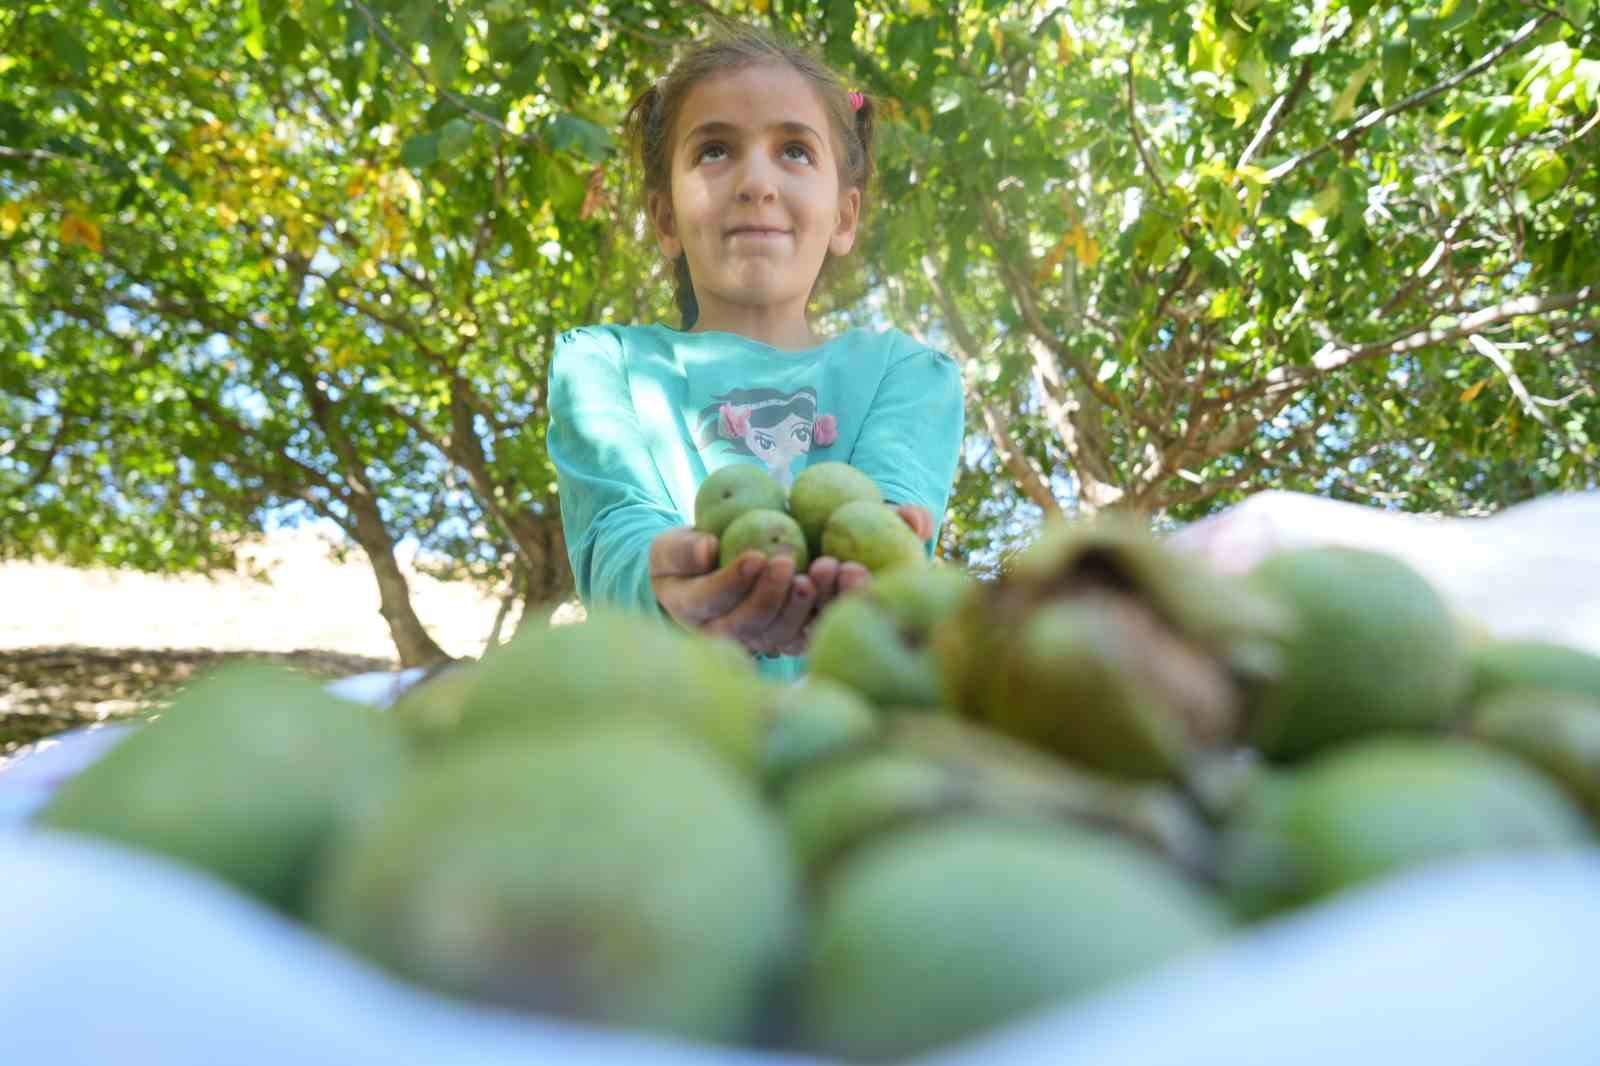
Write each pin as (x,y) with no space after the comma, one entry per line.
(650,121)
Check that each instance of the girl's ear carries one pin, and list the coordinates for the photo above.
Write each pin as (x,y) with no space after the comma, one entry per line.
(659,208)
(844,231)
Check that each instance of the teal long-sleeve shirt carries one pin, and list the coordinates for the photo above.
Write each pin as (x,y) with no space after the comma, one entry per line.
(640,415)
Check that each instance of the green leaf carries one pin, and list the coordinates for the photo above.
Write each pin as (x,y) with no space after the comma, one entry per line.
(453,138)
(1453,14)
(508,40)
(525,74)
(580,136)
(1546,173)
(1396,69)
(444,54)
(420,151)
(254,32)
(1344,105)
(415,21)
(68,47)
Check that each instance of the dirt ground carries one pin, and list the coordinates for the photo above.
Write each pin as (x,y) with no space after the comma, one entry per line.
(81,646)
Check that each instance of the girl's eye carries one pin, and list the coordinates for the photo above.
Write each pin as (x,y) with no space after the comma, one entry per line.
(804,153)
(706,150)
(802,434)
(764,442)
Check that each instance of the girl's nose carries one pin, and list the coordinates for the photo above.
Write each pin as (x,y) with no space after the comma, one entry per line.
(756,183)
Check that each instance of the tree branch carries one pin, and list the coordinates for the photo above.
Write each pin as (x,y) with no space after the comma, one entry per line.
(1028,478)
(1138,141)
(1276,113)
(1372,118)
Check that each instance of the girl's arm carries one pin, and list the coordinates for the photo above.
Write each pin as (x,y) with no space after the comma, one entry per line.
(612,501)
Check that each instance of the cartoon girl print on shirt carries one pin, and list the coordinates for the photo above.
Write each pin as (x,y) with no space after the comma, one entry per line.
(774,426)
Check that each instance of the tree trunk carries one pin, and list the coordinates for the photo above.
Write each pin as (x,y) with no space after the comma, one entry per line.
(413,643)
(543,548)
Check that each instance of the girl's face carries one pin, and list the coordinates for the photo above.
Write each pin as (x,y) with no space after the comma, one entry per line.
(755,199)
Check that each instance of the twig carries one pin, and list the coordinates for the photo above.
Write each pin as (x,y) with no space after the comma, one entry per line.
(1280,107)
(1138,141)
(1372,118)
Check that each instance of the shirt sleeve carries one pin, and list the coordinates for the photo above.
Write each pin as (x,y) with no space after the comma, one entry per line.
(613,503)
(911,439)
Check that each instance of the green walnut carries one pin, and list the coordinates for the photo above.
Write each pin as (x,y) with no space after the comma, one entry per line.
(727,493)
(945,931)
(619,664)
(772,533)
(811,720)
(1374,648)
(874,535)
(821,489)
(247,776)
(1374,808)
(612,872)
(1558,732)
(879,639)
(930,767)
(1102,644)
(1533,664)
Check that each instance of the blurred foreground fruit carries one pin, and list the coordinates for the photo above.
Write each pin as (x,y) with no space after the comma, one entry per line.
(610,872)
(1559,732)
(811,720)
(1373,648)
(618,664)
(247,776)
(1375,808)
(944,931)
(1533,664)
(879,640)
(1104,646)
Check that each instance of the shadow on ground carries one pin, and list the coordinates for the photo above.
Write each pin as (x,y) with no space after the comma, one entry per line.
(47,690)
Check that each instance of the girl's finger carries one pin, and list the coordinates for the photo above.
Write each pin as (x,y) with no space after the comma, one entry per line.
(748,619)
(697,601)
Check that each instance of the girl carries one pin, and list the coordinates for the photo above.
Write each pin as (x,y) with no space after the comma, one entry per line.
(756,162)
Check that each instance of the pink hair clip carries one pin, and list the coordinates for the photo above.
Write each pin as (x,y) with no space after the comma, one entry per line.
(857,101)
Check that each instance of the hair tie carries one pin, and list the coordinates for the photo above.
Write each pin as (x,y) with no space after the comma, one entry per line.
(857,101)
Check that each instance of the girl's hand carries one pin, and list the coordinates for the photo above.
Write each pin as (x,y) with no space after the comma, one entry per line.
(758,602)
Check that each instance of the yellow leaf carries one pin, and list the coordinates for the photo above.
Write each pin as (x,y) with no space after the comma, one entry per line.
(1345,104)
(1470,393)
(1064,46)
(997,35)
(760,5)
(355,186)
(919,7)
(10,218)
(75,229)
(1084,246)
(1052,259)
